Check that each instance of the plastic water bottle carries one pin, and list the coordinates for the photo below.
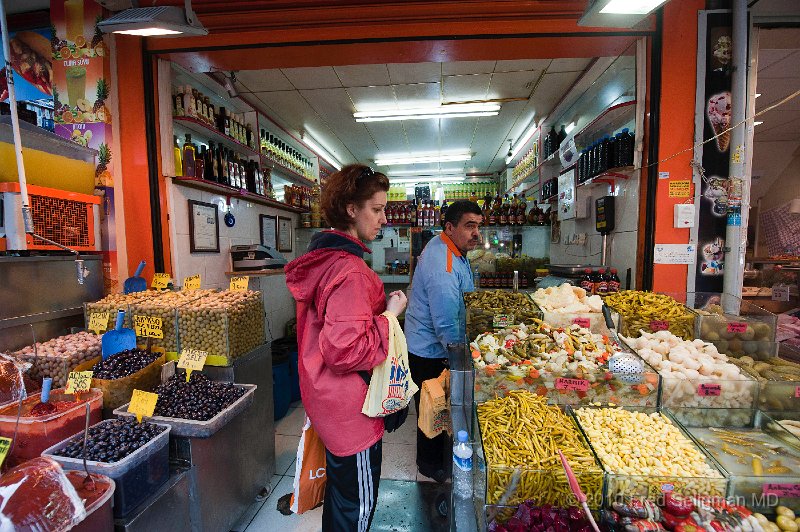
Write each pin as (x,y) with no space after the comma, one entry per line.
(462,466)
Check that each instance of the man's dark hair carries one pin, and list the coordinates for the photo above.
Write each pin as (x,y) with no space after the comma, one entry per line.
(459,208)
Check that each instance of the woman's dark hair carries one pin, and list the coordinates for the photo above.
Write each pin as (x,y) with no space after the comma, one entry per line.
(459,208)
(355,183)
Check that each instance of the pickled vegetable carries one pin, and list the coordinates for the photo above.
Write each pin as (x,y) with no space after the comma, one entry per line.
(646,311)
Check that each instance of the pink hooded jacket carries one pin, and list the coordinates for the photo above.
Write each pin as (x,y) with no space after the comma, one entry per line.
(340,331)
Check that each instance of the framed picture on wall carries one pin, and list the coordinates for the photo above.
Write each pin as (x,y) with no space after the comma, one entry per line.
(284,234)
(269,230)
(203,227)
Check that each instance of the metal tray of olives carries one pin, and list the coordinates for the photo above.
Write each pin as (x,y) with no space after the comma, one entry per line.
(189,428)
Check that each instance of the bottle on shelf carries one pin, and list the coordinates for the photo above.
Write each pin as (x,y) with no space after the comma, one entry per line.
(562,136)
(420,214)
(522,210)
(542,220)
(437,212)
(613,158)
(462,466)
(177,156)
(602,159)
(626,148)
(177,103)
(200,163)
(188,102)
(587,282)
(443,212)
(553,137)
(188,156)
(613,281)
(601,283)
(211,163)
(505,210)
(222,166)
(486,207)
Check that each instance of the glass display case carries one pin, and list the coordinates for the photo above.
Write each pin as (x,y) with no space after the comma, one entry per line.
(492,310)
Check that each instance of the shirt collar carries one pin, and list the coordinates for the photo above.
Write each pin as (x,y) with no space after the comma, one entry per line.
(450,245)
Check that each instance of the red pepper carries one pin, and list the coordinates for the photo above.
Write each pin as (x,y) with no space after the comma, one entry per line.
(670,521)
(677,505)
(688,525)
(717,526)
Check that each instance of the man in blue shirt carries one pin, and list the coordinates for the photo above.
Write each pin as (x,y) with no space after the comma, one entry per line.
(436,315)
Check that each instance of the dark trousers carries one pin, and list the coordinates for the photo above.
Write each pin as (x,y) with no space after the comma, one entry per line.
(351,490)
(432,454)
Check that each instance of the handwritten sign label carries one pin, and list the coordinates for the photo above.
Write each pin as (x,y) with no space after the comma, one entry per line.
(143,404)
(501,321)
(239,284)
(5,445)
(781,490)
(160,281)
(780,293)
(98,322)
(709,390)
(737,327)
(192,360)
(659,325)
(582,322)
(578,385)
(192,282)
(148,326)
(79,382)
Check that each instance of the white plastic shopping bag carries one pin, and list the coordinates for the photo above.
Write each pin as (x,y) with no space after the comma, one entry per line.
(391,387)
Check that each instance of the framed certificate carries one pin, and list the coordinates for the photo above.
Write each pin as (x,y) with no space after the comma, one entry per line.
(203,227)
(269,230)
(284,234)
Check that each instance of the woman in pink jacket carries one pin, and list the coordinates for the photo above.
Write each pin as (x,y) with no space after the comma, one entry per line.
(341,332)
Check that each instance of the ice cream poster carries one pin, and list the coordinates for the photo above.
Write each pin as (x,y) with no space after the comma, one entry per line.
(32,65)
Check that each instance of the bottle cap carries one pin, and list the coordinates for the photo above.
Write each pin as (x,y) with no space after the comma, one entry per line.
(602,270)
(625,130)
(463,437)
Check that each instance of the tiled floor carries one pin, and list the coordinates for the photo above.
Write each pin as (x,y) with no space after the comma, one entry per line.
(399,456)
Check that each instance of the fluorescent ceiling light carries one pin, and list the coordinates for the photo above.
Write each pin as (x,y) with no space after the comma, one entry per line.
(390,160)
(432,171)
(570,127)
(152,21)
(758,94)
(323,153)
(631,7)
(419,113)
(523,140)
(757,123)
(428,179)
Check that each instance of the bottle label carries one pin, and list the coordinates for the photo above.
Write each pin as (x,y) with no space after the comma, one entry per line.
(588,286)
(601,288)
(613,286)
(464,464)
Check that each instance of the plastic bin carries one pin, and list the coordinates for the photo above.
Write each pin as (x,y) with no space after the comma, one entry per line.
(137,476)
(68,356)
(638,314)
(117,392)
(189,428)
(286,349)
(281,389)
(165,307)
(35,434)
(98,503)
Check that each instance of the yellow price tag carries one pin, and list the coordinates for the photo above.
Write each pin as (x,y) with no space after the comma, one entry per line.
(5,445)
(98,322)
(143,404)
(79,382)
(192,360)
(160,281)
(148,326)
(240,283)
(192,282)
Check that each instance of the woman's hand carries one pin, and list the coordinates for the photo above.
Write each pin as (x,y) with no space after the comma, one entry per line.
(397,302)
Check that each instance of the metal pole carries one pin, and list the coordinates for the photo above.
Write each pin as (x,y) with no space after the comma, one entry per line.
(739,183)
(27,218)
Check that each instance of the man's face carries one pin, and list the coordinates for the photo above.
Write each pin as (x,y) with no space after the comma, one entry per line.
(466,235)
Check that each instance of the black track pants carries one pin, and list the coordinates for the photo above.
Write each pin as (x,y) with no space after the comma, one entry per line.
(351,490)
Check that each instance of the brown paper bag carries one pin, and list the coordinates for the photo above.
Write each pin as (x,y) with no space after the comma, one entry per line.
(434,415)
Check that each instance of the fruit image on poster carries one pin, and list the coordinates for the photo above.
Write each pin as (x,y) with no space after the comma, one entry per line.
(92,136)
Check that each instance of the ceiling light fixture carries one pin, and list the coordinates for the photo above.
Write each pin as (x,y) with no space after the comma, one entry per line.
(162,21)
(569,128)
(428,179)
(758,94)
(322,152)
(757,123)
(391,160)
(618,13)
(431,171)
(523,140)
(441,111)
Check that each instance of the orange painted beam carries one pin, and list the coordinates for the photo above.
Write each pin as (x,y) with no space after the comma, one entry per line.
(133,156)
(678,91)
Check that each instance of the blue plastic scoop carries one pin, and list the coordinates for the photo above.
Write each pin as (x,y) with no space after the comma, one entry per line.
(135,283)
(119,339)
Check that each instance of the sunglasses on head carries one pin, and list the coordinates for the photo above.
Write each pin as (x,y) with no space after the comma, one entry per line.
(365,173)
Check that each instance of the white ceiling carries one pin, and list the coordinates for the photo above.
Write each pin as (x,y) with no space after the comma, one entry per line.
(777,139)
(322,100)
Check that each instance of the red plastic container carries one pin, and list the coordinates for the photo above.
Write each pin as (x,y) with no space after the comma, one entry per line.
(35,434)
(97,501)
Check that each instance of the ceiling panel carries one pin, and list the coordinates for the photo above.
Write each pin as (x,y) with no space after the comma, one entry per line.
(779,125)
(312,77)
(370,98)
(363,75)
(767,58)
(512,84)
(492,133)
(389,138)
(456,133)
(568,65)
(264,80)
(551,89)
(775,90)
(414,72)
(423,134)
(287,106)
(466,88)
(334,107)
(467,67)
(418,94)
(784,68)
(521,64)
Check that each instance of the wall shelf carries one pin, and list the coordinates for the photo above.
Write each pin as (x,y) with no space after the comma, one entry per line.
(206,131)
(608,177)
(232,192)
(606,122)
(286,173)
(547,162)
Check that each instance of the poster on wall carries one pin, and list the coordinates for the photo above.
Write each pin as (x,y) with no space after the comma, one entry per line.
(33,74)
(714,91)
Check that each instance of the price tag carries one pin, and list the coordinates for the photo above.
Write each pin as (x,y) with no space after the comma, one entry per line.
(79,382)
(780,293)
(709,390)
(148,327)
(797,391)
(781,490)
(659,325)
(160,281)
(582,322)
(143,404)
(192,360)
(578,385)
(737,327)
(501,321)
(5,445)
(192,282)
(239,284)
(98,322)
